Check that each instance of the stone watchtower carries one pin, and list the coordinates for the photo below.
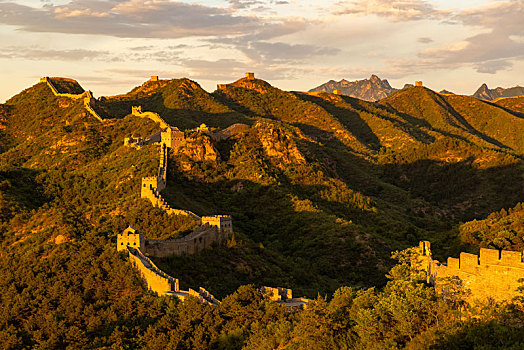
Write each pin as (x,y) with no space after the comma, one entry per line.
(136,110)
(172,137)
(418,83)
(224,223)
(154,78)
(130,237)
(250,76)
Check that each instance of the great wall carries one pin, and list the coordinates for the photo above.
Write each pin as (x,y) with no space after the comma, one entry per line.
(214,228)
(86,95)
(494,275)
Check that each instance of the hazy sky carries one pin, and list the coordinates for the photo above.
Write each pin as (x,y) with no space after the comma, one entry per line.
(112,46)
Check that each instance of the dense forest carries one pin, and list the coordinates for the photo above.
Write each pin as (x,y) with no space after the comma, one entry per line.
(322,189)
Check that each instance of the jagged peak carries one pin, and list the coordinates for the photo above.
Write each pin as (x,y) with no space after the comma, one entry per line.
(374,78)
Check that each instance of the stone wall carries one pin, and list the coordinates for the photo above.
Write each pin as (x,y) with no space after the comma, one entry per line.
(492,275)
(157,281)
(137,112)
(133,243)
(86,95)
(195,242)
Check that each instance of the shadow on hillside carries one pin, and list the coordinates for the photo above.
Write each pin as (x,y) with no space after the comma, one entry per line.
(459,191)
(237,107)
(350,119)
(283,220)
(505,109)
(459,122)
(19,188)
(466,126)
(179,117)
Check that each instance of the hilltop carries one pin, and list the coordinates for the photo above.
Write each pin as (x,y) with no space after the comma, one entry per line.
(321,189)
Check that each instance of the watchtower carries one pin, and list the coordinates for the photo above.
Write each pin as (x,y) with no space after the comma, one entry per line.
(224,223)
(130,237)
(44,79)
(149,186)
(136,110)
(154,78)
(418,83)
(337,92)
(250,76)
(172,137)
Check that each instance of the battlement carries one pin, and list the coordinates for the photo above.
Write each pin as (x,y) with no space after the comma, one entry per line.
(493,274)
(250,76)
(418,83)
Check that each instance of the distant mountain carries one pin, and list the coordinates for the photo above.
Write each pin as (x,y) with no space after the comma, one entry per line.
(371,89)
(447,92)
(486,93)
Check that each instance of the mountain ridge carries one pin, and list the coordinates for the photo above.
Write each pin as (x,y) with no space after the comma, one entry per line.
(371,89)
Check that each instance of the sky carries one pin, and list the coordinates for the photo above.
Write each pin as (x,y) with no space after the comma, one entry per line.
(112,46)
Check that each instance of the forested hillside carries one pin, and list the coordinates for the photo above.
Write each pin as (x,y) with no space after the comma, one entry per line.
(321,187)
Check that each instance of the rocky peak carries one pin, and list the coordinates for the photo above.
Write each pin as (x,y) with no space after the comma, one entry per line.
(371,89)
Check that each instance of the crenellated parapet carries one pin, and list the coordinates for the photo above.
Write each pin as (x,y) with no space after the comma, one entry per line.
(494,274)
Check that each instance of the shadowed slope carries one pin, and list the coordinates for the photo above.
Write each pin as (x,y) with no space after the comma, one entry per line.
(181,102)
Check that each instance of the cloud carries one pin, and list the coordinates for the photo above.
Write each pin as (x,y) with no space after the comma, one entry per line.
(130,18)
(492,67)
(492,50)
(283,52)
(393,10)
(38,53)
(425,40)
(259,6)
